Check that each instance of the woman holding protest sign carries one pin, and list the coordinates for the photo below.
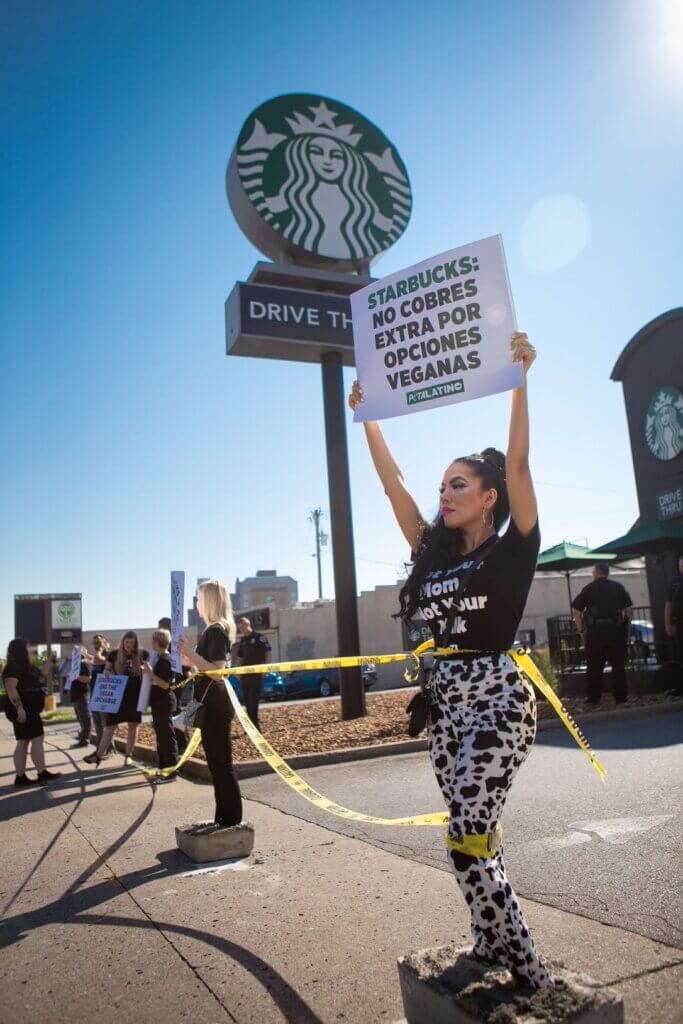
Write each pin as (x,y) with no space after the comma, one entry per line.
(126,660)
(471,584)
(215,715)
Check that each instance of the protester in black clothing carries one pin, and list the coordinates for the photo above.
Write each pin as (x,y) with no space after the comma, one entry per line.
(80,701)
(25,700)
(98,659)
(162,699)
(181,694)
(252,648)
(213,649)
(602,612)
(126,660)
(673,619)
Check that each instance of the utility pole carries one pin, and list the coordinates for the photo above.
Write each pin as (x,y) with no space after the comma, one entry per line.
(315,517)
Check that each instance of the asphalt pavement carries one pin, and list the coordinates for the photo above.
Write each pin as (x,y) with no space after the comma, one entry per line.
(610,851)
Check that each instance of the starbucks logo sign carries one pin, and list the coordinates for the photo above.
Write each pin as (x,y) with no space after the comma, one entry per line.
(66,611)
(311,177)
(664,424)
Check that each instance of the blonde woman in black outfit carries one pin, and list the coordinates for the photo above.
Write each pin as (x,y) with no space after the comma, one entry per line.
(213,651)
(482,711)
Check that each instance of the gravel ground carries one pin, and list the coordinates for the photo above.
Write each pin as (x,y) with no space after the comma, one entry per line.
(311,727)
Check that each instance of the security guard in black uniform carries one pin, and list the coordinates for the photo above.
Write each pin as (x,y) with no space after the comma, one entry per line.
(602,612)
(673,619)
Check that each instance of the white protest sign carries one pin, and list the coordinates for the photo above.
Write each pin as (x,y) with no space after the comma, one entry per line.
(146,685)
(75,669)
(108,693)
(436,333)
(177,605)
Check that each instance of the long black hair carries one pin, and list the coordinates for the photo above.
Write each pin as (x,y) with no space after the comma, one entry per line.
(17,651)
(441,547)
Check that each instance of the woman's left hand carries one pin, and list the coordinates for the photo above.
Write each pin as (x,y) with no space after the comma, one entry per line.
(184,648)
(522,350)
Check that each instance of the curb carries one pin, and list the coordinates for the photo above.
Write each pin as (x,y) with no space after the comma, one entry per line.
(198,769)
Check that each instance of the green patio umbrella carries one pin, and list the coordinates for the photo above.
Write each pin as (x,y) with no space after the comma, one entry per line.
(567,558)
(652,539)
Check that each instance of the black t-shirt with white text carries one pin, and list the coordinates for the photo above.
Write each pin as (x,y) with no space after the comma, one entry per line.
(489,611)
(214,645)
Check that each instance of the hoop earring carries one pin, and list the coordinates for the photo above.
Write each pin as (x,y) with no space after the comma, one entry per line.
(487,526)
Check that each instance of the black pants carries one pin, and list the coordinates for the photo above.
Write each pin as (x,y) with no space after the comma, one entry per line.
(215,726)
(251,686)
(678,649)
(605,644)
(163,708)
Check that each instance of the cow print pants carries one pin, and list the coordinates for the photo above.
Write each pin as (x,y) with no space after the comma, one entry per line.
(482,726)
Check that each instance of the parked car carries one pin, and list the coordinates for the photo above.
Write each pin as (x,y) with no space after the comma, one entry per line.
(309,683)
(270,681)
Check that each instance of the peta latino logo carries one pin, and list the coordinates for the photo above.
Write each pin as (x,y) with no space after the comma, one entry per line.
(323,177)
(664,424)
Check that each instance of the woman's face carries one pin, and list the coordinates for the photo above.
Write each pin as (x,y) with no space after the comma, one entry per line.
(327,158)
(200,605)
(665,416)
(462,498)
(129,645)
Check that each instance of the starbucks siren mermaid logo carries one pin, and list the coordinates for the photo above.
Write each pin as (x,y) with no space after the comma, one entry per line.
(664,424)
(319,184)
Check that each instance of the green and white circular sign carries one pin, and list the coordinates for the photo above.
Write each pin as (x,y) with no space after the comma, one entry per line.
(664,424)
(313,179)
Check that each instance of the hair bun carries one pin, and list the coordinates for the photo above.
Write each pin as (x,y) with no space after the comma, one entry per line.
(496,458)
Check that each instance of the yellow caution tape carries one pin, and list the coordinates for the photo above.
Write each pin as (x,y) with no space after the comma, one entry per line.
(483,847)
(156,773)
(299,785)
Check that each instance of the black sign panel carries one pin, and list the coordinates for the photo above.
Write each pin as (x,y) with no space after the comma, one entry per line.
(258,617)
(288,323)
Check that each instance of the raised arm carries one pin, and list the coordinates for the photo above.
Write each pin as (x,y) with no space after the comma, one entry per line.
(407,514)
(523,508)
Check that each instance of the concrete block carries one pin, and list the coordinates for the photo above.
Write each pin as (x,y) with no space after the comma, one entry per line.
(445,986)
(206,841)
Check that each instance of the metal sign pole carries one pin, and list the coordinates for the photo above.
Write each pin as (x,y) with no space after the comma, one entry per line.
(343,559)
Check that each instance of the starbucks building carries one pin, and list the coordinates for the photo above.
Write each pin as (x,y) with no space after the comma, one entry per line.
(650,370)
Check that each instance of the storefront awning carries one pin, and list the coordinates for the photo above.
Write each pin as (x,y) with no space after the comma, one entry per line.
(650,539)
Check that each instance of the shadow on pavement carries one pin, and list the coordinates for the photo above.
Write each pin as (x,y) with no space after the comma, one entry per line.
(628,734)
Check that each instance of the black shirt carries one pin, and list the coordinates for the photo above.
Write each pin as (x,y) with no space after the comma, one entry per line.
(127,665)
(602,602)
(79,690)
(214,645)
(252,649)
(164,670)
(675,595)
(488,613)
(30,686)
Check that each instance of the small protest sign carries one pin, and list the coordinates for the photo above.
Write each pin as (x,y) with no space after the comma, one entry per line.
(436,333)
(75,670)
(146,684)
(177,605)
(108,693)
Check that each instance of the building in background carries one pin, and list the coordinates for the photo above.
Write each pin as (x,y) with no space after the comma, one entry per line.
(265,588)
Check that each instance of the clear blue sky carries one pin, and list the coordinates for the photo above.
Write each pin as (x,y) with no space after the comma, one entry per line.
(131,444)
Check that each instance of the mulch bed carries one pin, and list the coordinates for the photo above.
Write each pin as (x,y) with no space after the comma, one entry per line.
(315,726)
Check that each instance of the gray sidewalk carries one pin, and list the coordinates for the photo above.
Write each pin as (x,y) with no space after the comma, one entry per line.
(104,919)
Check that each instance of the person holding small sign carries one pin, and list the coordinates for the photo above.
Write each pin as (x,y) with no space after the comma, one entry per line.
(470,584)
(216,714)
(126,660)
(80,702)
(162,700)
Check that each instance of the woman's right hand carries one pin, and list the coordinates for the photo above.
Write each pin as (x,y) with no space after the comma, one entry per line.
(356,397)
(107,670)
(21,715)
